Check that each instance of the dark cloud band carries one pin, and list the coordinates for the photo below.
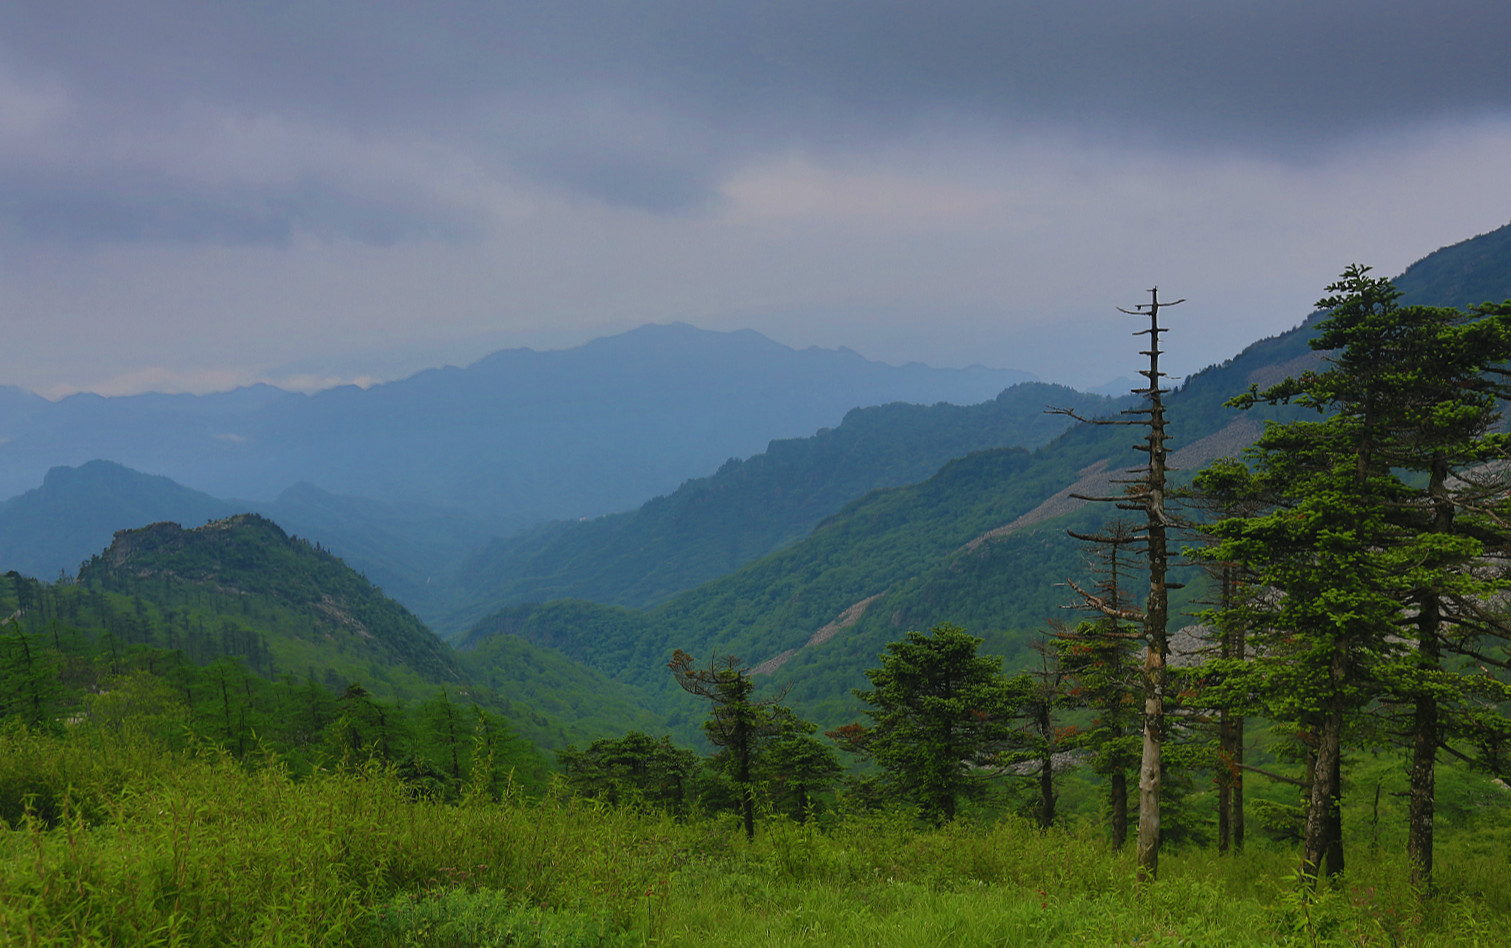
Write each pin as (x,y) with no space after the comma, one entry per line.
(720,81)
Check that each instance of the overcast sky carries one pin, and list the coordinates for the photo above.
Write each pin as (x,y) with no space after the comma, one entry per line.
(200,194)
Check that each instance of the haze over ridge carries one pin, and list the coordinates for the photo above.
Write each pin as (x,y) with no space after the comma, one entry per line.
(198,196)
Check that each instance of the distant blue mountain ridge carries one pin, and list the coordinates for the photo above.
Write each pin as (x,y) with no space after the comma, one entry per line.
(520,437)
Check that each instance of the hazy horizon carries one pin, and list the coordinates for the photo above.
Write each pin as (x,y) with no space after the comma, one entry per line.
(195,197)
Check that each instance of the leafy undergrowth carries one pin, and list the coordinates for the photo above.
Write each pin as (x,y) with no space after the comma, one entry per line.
(141,846)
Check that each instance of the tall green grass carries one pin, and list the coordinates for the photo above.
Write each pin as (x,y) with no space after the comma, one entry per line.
(124,842)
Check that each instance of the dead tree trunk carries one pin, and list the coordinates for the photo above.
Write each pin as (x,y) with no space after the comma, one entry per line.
(1147,493)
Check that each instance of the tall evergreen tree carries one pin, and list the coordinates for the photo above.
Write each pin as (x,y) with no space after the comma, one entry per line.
(1098,660)
(1353,553)
(1449,376)
(795,767)
(1224,490)
(941,717)
(737,723)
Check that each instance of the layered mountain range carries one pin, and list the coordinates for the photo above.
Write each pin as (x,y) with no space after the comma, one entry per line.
(517,438)
(804,560)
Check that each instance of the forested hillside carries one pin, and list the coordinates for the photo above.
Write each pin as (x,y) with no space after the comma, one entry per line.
(713,525)
(316,602)
(206,664)
(982,543)
(275,611)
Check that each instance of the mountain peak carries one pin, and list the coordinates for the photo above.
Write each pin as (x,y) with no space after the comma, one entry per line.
(147,550)
(249,555)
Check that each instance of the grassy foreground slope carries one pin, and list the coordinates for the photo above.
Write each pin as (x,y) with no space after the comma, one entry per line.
(126,843)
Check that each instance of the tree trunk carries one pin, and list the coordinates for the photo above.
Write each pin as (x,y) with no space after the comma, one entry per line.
(1237,800)
(1332,861)
(1423,779)
(1119,794)
(744,752)
(1046,793)
(1046,768)
(1147,854)
(1230,729)
(1425,724)
(1224,787)
(1318,841)
(1235,750)
(1424,750)
(1156,617)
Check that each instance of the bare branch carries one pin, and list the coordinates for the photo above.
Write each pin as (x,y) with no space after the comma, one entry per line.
(1101,605)
(1072,413)
(1293,781)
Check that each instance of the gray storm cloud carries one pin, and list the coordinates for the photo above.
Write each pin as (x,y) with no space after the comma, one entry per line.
(649,104)
(201,194)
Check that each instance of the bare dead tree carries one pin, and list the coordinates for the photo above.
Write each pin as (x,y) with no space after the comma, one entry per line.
(1146,492)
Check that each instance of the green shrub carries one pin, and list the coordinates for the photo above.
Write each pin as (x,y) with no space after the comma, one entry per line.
(459,918)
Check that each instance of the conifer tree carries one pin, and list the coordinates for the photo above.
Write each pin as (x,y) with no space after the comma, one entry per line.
(942,716)
(737,723)
(1225,489)
(1448,376)
(1040,739)
(795,767)
(1354,556)
(1097,657)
